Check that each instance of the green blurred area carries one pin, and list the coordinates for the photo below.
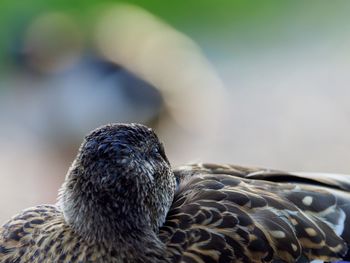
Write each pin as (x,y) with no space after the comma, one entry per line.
(210,23)
(269,85)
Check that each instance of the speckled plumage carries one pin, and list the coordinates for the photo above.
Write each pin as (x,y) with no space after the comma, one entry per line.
(121,202)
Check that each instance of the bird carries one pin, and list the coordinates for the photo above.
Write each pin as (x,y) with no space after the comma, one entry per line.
(122,201)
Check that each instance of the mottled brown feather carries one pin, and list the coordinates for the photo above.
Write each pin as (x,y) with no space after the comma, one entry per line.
(264,215)
(220,213)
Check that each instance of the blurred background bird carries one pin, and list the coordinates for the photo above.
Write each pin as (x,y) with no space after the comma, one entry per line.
(254,83)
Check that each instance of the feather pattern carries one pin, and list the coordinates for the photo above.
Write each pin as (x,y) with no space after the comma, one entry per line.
(119,204)
(257,215)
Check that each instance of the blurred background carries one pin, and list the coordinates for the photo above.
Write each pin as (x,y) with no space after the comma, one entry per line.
(262,83)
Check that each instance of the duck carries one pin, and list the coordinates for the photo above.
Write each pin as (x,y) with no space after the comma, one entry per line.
(122,201)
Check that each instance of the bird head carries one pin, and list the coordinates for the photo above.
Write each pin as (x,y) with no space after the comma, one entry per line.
(120,183)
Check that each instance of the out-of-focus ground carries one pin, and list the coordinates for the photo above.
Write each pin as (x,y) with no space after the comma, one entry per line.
(251,83)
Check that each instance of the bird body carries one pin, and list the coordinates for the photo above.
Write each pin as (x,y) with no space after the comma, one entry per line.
(40,234)
(122,202)
(257,215)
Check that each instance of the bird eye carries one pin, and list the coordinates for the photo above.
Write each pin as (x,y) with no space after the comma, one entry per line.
(162,153)
(155,150)
(159,151)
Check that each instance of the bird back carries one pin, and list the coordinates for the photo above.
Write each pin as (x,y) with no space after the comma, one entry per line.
(224,213)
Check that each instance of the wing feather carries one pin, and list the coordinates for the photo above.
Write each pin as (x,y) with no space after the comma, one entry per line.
(17,234)
(257,215)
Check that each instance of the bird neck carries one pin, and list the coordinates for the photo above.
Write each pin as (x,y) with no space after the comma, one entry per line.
(117,218)
(146,248)
(99,218)
(132,238)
